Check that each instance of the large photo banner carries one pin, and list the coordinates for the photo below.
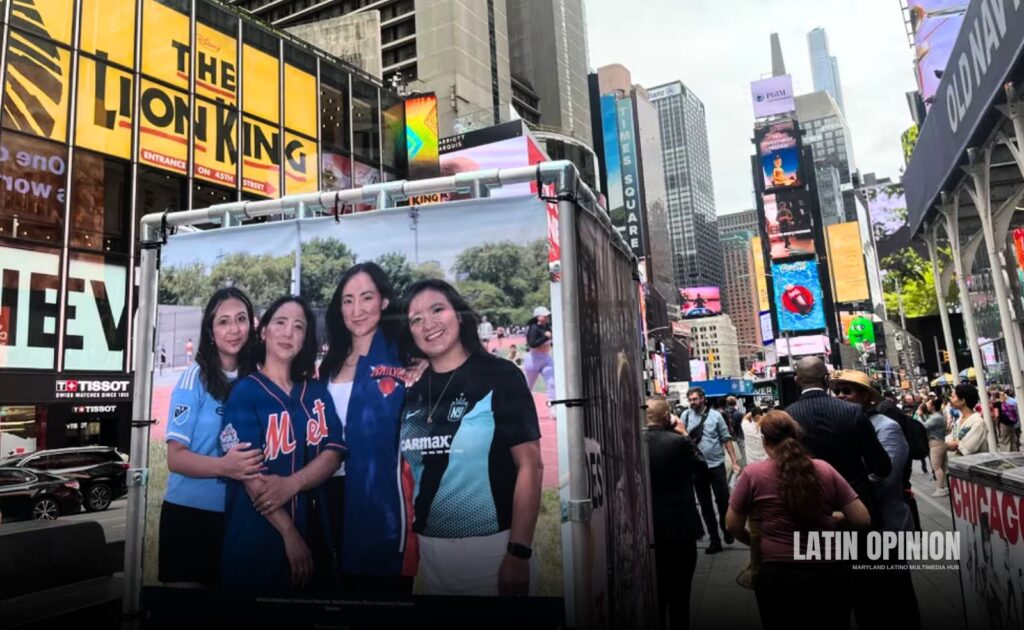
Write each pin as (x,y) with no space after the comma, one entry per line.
(421,358)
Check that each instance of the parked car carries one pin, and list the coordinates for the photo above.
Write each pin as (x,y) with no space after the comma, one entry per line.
(30,494)
(100,470)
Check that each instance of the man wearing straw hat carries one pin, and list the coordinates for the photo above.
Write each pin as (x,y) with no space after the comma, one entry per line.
(892,590)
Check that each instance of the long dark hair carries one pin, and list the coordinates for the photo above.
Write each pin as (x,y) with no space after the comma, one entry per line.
(207,357)
(468,319)
(799,487)
(339,337)
(304,363)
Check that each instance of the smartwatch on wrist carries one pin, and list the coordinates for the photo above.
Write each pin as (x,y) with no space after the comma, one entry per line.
(519,551)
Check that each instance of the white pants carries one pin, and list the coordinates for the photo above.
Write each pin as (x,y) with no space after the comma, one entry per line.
(466,566)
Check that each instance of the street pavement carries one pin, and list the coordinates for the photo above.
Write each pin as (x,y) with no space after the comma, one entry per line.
(718,602)
(113,520)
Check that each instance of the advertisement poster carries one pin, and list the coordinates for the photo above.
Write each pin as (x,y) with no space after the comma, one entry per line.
(778,146)
(936,25)
(772,96)
(96,334)
(846,255)
(787,220)
(767,332)
(858,331)
(991,552)
(798,296)
(458,242)
(37,89)
(29,288)
(165,41)
(887,208)
(802,346)
(508,153)
(108,29)
(763,304)
(700,301)
(104,108)
(421,136)
(164,128)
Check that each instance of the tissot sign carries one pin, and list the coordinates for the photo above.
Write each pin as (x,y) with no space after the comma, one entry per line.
(107,388)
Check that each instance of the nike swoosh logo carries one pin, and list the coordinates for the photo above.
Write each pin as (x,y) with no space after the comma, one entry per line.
(413,414)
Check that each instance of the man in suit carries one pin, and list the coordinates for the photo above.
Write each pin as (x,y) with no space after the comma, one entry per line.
(838,432)
(676,524)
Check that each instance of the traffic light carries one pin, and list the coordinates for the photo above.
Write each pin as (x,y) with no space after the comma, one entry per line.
(945,356)
(711,357)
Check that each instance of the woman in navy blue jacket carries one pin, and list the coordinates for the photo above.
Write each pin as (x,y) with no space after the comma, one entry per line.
(367,381)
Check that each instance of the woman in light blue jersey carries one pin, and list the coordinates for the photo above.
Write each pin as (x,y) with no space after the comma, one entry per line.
(192,515)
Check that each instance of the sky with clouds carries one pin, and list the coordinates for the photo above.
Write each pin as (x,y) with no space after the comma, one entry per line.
(717,48)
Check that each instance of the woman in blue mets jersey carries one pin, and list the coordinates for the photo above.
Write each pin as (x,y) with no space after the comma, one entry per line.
(194,500)
(367,383)
(471,436)
(276,534)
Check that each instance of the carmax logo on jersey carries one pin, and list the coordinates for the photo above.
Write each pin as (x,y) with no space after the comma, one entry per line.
(95,388)
(429,443)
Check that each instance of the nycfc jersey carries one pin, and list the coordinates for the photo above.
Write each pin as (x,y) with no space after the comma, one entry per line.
(194,419)
(291,428)
(459,446)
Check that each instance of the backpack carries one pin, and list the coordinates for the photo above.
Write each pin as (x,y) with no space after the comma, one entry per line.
(917,439)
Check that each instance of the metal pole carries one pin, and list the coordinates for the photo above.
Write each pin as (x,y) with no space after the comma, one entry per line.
(951,212)
(981,194)
(941,289)
(580,507)
(938,355)
(138,475)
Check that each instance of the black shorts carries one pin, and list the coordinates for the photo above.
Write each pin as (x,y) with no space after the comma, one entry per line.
(190,544)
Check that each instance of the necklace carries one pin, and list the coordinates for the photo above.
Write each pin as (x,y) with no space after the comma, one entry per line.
(430,391)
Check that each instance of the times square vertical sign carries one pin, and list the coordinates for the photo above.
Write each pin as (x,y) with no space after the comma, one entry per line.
(633,230)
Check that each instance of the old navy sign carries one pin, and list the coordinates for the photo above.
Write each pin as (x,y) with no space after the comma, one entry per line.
(962,115)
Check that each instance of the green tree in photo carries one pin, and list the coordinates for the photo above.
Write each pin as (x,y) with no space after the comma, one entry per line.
(399,270)
(264,277)
(323,262)
(187,285)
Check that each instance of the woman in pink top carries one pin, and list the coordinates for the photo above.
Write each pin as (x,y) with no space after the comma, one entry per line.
(791,494)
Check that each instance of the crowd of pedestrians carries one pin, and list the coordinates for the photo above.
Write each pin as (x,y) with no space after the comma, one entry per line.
(838,458)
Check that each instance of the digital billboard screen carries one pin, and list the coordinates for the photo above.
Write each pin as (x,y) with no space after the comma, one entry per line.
(701,301)
(936,24)
(772,96)
(787,217)
(798,296)
(858,330)
(778,149)
(421,136)
(846,254)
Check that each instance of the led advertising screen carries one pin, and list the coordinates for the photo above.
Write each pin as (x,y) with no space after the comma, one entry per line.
(772,96)
(767,333)
(778,147)
(858,330)
(787,217)
(846,255)
(421,136)
(802,346)
(798,296)
(887,208)
(936,24)
(701,301)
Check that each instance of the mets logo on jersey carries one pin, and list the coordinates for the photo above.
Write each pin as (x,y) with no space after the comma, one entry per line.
(388,377)
(228,438)
(280,437)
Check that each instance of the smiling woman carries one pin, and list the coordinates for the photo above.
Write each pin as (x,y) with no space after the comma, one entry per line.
(473,443)
(276,524)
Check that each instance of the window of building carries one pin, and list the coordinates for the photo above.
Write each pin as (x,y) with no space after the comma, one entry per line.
(33,192)
(96,316)
(37,88)
(158,191)
(334,109)
(100,216)
(394,132)
(365,120)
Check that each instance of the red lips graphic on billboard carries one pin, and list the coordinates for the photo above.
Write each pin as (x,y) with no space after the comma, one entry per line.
(798,299)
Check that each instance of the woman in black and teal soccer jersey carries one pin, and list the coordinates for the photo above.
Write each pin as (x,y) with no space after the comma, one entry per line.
(471,436)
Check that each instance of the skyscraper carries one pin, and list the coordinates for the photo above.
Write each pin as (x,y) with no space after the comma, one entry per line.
(824,68)
(826,131)
(740,289)
(629,125)
(778,64)
(742,221)
(548,55)
(692,221)
(458,50)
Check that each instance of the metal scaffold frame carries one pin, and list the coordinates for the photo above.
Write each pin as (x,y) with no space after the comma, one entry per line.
(995,221)
(557,182)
